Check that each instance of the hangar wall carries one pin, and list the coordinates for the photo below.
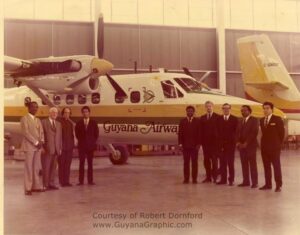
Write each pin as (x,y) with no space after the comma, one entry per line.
(29,39)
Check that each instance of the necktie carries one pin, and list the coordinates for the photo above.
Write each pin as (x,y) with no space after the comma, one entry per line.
(85,123)
(208,116)
(266,121)
(226,118)
(53,124)
(244,121)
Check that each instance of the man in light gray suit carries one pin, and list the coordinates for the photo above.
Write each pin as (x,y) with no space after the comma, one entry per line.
(52,147)
(33,139)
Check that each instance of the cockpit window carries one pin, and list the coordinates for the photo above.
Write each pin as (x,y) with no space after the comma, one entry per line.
(188,84)
(180,95)
(169,89)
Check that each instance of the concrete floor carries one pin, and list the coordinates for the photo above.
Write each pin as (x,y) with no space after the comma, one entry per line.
(154,185)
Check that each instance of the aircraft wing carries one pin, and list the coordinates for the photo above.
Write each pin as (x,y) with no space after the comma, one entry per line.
(12,64)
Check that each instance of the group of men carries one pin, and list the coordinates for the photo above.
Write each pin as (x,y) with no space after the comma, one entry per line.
(220,135)
(50,141)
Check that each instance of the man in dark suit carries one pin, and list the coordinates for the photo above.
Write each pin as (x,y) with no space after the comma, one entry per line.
(65,160)
(209,134)
(272,128)
(227,126)
(247,144)
(189,142)
(87,133)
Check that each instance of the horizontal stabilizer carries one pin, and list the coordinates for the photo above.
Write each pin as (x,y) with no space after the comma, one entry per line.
(268,85)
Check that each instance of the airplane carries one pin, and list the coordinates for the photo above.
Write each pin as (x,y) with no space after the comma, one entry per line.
(265,77)
(143,108)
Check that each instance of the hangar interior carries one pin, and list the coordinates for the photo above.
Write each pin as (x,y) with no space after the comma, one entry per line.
(171,34)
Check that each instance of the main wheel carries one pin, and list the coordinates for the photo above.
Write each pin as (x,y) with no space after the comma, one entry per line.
(121,155)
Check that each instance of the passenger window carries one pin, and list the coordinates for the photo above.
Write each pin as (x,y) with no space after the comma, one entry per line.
(27,100)
(69,99)
(135,97)
(95,98)
(56,99)
(81,99)
(119,98)
(168,89)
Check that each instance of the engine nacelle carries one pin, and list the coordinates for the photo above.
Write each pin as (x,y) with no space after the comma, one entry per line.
(87,87)
(75,74)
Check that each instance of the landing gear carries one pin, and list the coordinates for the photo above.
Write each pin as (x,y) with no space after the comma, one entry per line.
(118,154)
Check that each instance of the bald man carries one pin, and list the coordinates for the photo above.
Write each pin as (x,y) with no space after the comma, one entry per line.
(52,146)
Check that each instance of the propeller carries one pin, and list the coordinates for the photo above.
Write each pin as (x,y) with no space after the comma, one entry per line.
(100,37)
(99,66)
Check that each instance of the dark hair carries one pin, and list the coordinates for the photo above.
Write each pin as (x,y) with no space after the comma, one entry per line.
(267,103)
(226,104)
(247,107)
(63,110)
(85,107)
(190,107)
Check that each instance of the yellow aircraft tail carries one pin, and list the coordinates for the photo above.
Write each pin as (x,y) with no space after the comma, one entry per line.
(264,75)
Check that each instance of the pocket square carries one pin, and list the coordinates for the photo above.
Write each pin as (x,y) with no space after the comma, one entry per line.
(272,124)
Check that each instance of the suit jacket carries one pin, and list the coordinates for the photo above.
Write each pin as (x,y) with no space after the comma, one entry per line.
(227,131)
(87,138)
(209,130)
(32,131)
(272,134)
(189,133)
(53,137)
(247,133)
(67,127)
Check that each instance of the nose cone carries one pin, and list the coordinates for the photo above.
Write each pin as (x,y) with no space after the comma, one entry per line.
(101,66)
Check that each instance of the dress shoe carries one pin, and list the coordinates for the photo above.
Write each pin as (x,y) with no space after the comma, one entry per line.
(207,180)
(92,183)
(68,185)
(230,184)
(185,182)
(265,187)
(243,185)
(254,186)
(195,182)
(52,187)
(278,189)
(79,184)
(221,182)
(28,193)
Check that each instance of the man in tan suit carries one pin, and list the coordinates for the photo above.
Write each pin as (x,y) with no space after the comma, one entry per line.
(33,139)
(52,146)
